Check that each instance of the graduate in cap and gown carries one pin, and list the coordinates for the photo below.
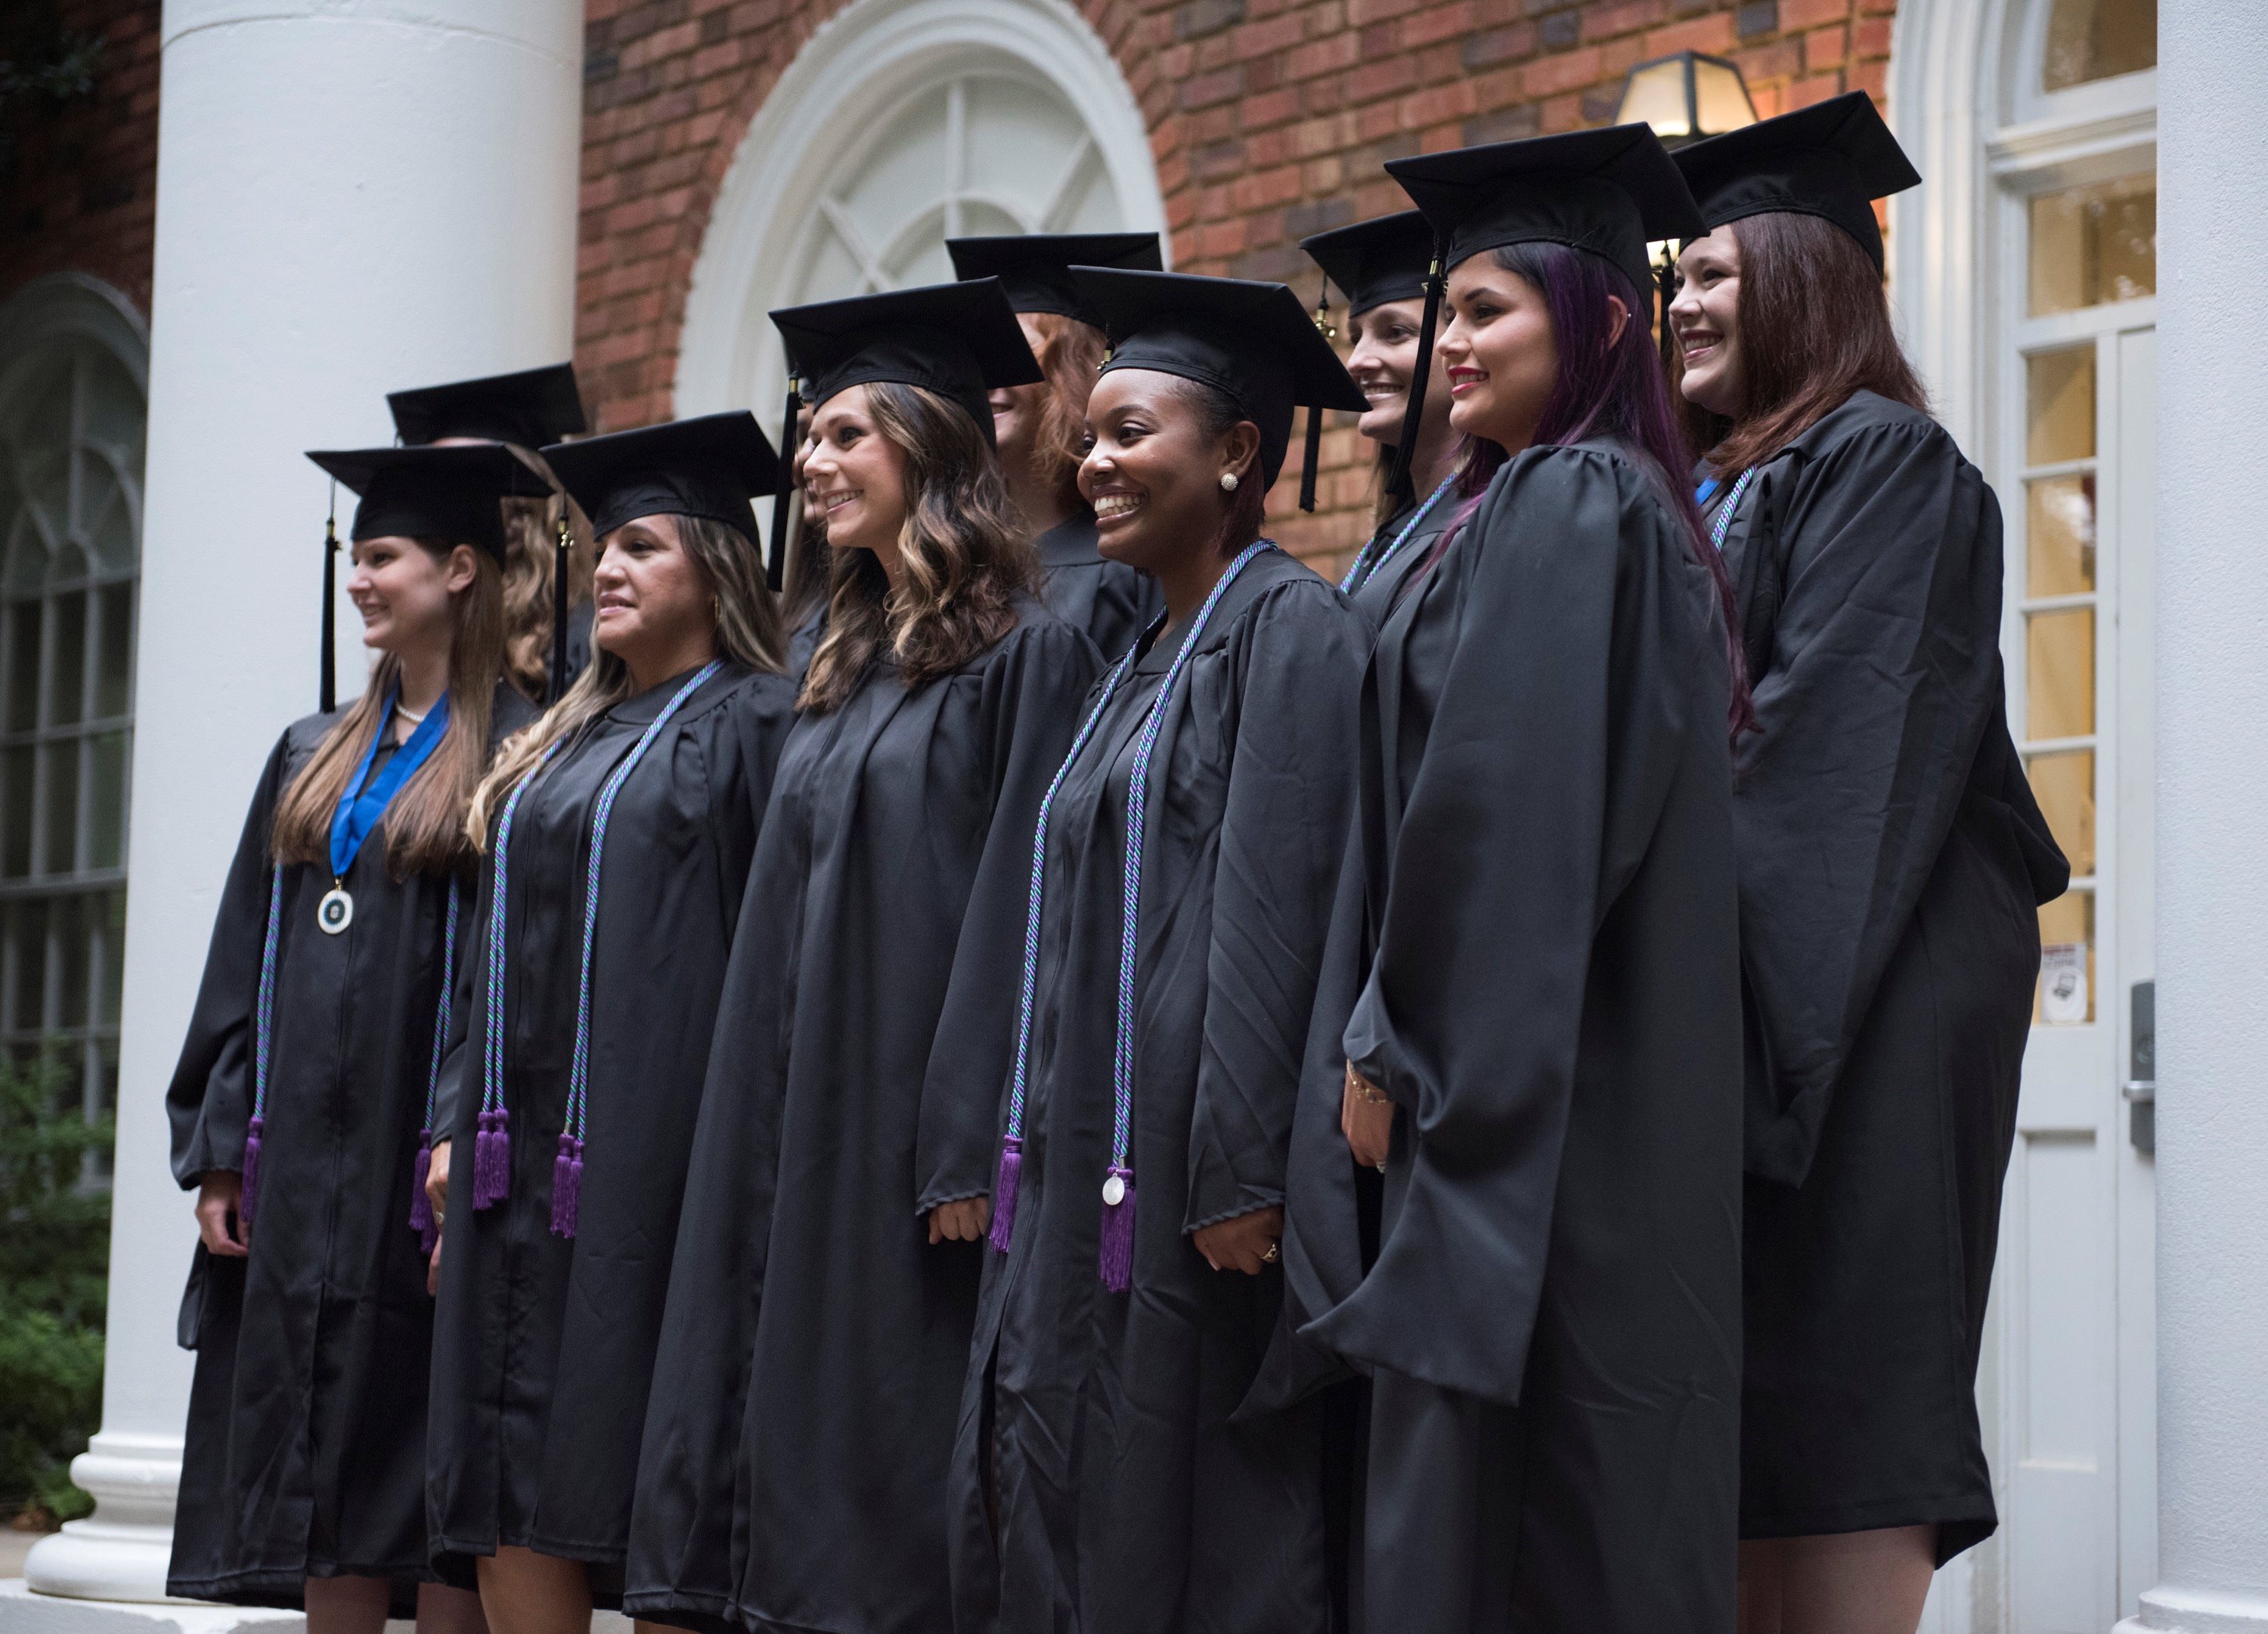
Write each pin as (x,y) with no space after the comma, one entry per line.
(525,410)
(1542,1052)
(616,835)
(1168,928)
(1891,861)
(1381,266)
(1041,428)
(819,1310)
(308,1074)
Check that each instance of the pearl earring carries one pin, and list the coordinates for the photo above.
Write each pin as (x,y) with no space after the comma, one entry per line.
(1229,482)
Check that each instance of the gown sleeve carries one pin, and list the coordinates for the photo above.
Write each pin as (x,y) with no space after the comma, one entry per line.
(1031,705)
(759,721)
(209,1102)
(1882,679)
(461,1059)
(1557,737)
(1291,794)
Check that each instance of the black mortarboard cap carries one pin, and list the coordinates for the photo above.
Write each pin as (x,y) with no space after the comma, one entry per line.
(1034,267)
(1606,192)
(1375,261)
(958,339)
(706,467)
(1832,160)
(1253,340)
(432,493)
(531,408)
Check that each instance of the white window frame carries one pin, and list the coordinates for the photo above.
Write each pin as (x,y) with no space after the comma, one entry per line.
(57,309)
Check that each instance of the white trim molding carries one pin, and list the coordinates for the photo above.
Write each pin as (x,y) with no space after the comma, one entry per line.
(869,56)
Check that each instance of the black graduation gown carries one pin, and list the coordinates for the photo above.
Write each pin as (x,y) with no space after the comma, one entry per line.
(543,1347)
(1126,1501)
(1891,860)
(305,1452)
(1377,589)
(1112,602)
(802,641)
(1552,1324)
(812,1358)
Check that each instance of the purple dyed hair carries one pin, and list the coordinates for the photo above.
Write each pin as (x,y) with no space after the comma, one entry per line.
(1613,389)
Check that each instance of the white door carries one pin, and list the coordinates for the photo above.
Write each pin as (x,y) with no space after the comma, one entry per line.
(2073,1382)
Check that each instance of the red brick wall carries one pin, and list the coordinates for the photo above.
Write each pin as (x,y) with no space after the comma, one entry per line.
(82,193)
(1268,119)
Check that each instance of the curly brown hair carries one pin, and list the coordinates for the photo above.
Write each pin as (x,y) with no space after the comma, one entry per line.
(961,550)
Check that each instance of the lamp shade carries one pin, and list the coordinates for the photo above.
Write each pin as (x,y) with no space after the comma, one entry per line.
(1686,96)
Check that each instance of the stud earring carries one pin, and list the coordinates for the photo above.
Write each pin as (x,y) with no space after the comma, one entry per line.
(1229,482)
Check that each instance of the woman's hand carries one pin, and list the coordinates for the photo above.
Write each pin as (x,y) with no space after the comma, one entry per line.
(220,1194)
(433,1270)
(1245,1242)
(1367,1119)
(964,1221)
(437,1185)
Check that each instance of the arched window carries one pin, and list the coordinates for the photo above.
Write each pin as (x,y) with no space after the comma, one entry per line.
(73,372)
(897,127)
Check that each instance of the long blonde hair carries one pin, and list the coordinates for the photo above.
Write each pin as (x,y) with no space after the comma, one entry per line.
(748,629)
(962,554)
(424,822)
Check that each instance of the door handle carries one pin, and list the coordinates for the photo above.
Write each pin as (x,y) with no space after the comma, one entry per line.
(2141,1090)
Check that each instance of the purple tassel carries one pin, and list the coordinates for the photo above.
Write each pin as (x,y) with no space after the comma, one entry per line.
(421,1206)
(492,1158)
(1118,1237)
(566,1186)
(248,1198)
(1005,1190)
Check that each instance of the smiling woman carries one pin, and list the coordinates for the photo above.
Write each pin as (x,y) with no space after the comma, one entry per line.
(301,1089)
(822,1297)
(1169,921)
(617,834)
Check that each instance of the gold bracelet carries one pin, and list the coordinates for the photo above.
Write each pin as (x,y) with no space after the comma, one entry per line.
(1365,1090)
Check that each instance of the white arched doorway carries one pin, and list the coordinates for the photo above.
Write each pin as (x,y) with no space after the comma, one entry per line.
(901,123)
(2025,270)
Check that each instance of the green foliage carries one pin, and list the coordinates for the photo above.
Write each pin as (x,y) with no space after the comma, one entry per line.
(54,1237)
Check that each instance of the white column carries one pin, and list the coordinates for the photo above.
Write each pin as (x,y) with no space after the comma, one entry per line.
(352,196)
(2213,825)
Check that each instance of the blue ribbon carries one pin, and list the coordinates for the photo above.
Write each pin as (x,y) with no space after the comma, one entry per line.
(361,809)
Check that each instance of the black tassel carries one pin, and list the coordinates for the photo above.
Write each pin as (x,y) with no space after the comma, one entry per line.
(1314,451)
(1665,281)
(1413,412)
(775,558)
(326,692)
(565,543)
(1313,457)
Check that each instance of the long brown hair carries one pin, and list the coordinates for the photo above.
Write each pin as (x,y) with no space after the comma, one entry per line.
(961,552)
(424,821)
(1814,328)
(748,629)
(1070,354)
